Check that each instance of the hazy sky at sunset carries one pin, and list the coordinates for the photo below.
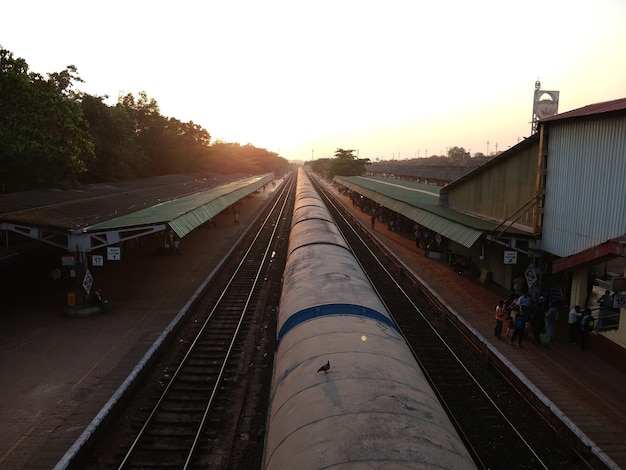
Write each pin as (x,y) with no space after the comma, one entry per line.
(390,78)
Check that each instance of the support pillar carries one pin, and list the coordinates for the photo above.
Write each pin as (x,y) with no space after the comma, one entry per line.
(578,293)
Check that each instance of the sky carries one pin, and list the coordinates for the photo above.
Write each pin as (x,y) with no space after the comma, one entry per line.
(392,79)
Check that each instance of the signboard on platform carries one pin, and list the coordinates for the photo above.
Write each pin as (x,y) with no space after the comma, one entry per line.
(510,257)
(68,260)
(619,301)
(87,282)
(114,253)
(97,260)
(531,276)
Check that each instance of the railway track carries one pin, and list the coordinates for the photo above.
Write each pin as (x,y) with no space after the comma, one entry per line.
(496,423)
(200,407)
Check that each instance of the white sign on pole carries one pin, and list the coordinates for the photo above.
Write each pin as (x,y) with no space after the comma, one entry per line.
(97,260)
(114,253)
(510,257)
(531,276)
(87,282)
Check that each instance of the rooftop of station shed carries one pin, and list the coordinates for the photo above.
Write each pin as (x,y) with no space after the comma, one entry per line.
(421,203)
(183,202)
(96,204)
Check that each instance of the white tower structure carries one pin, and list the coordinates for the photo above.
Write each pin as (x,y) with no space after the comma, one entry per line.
(545,103)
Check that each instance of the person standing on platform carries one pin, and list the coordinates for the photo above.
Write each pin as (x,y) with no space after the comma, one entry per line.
(511,301)
(552,315)
(236,217)
(99,301)
(573,320)
(176,246)
(606,308)
(500,317)
(520,326)
(537,319)
(586,327)
(523,306)
(373,220)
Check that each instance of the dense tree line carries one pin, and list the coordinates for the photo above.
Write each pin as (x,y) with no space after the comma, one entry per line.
(54,136)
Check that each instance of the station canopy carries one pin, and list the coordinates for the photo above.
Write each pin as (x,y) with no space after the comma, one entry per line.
(420,203)
(100,215)
(186,213)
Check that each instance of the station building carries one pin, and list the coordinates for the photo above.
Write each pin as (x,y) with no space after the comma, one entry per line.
(551,209)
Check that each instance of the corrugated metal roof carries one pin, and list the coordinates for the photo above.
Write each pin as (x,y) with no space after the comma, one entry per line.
(420,203)
(590,110)
(74,209)
(187,213)
(497,160)
(430,173)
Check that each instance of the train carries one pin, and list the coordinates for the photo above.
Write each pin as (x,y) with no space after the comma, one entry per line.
(346,391)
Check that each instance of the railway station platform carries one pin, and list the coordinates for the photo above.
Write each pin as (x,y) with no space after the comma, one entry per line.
(59,371)
(589,393)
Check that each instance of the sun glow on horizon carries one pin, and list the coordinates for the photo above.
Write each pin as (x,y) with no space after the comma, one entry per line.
(401,79)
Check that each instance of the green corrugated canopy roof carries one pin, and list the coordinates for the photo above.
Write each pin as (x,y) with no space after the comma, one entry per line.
(420,203)
(189,212)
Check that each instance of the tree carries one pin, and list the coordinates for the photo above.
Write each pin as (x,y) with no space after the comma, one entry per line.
(320,165)
(43,136)
(148,127)
(192,145)
(346,163)
(248,159)
(456,153)
(167,145)
(52,135)
(117,155)
(63,81)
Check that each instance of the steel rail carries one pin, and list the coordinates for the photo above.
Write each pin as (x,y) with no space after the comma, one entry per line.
(460,363)
(282,201)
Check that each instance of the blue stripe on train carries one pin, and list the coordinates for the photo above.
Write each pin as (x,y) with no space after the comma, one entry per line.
(332,309)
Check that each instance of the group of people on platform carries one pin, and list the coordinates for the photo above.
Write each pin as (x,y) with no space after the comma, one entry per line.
(580,323)
(519,313)
(394,221)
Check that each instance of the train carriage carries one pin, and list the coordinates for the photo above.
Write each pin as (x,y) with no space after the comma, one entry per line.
(373,407)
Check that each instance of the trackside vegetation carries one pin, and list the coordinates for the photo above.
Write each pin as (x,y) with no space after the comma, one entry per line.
(53,135)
